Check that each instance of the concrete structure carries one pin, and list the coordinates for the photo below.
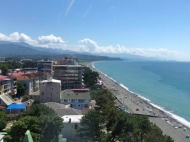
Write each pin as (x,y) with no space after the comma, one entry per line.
(62,109)
(5,100)
(71,125)
(8,85)
(50,91)
(45,66)
(67,61)
(70,76)
(31,80)
(77,98)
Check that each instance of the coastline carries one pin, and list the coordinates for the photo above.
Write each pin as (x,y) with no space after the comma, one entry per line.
(168,124)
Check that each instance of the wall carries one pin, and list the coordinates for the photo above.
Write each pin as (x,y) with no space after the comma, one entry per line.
(50,92)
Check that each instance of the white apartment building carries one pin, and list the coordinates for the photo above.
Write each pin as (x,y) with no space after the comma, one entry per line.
(71,125)
(50,91)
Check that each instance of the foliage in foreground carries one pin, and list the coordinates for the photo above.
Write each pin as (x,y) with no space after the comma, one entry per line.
(41,120)
(3,120)
(111,124)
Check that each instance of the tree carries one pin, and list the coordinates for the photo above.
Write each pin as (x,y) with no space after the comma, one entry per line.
(90,77)
(25,98)
(42,121)
(92,125)
(21,88)
(3,120)
(49,122)
(4,70)
(20,127)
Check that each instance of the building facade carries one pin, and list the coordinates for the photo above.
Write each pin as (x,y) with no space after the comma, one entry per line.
(71,125)
(8,85)
(50,91)
(70,76)
(45,66)
(76,98)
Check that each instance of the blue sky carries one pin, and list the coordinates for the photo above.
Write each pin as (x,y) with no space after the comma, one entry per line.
(152,28)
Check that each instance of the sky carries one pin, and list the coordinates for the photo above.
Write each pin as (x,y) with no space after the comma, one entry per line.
(151,28)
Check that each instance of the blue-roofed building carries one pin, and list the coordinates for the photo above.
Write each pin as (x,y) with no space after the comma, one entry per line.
(16,108)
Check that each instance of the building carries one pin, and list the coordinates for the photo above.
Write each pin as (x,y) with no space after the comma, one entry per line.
(2,59)
(16,108)
(8,85)
(62,109)
(76,98)
(45,66)
(50,91)
(5,100)
(71,125)
(67,61)
(2,134)
(30,80)
(70,76)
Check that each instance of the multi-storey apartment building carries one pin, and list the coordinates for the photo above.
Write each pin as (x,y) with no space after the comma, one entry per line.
(45,66)
(8,85)
(50,91)
(69,72)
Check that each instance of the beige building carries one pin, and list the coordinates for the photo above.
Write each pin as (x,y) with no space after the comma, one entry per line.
(50,91)
(71,125)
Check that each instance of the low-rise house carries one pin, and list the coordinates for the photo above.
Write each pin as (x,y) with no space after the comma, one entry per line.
(16,108)
(71,125)
(50,91)
(77,98)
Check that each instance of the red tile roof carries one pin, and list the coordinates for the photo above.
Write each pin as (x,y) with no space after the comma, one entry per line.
(22,75)
(2,77)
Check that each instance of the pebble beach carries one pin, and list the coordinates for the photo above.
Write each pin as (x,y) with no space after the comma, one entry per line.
(138,105)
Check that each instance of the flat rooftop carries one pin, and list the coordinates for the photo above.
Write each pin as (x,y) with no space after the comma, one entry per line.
(72,118)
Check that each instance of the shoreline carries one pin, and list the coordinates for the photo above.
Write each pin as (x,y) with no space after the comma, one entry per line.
(133,101)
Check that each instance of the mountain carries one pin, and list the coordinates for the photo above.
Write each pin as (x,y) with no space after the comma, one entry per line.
(13,49)
(130,56)
(49,50)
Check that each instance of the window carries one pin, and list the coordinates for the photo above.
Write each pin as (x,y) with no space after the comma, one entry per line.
(76,126)
(42,93)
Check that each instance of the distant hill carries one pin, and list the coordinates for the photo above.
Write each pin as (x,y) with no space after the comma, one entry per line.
(48,50)
(13,49)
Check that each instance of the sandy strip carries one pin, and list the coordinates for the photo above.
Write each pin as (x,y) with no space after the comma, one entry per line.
(133,102)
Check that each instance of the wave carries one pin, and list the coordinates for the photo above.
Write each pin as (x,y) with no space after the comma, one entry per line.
(179,119)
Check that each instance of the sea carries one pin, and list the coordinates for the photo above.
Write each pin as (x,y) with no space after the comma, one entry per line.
(166,85)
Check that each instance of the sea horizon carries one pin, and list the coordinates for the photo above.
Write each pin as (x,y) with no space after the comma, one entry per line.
(151,75)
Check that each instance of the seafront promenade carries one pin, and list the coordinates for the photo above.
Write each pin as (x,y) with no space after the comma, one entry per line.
(167,124)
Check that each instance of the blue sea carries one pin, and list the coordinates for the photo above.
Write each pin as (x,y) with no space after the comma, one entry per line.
(165,84)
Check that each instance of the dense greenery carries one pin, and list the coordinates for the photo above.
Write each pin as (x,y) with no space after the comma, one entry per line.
(90,77)
(3,120)
(41,120)
(111,124)
(4,69)
(21,88)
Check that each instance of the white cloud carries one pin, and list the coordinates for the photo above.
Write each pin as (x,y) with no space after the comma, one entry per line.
(89,45)
(43,41)
(50,39)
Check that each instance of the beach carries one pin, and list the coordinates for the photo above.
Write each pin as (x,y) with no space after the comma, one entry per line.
(164,121)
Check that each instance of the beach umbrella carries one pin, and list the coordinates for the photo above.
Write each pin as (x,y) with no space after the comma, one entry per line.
(187,136)
(184,129)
